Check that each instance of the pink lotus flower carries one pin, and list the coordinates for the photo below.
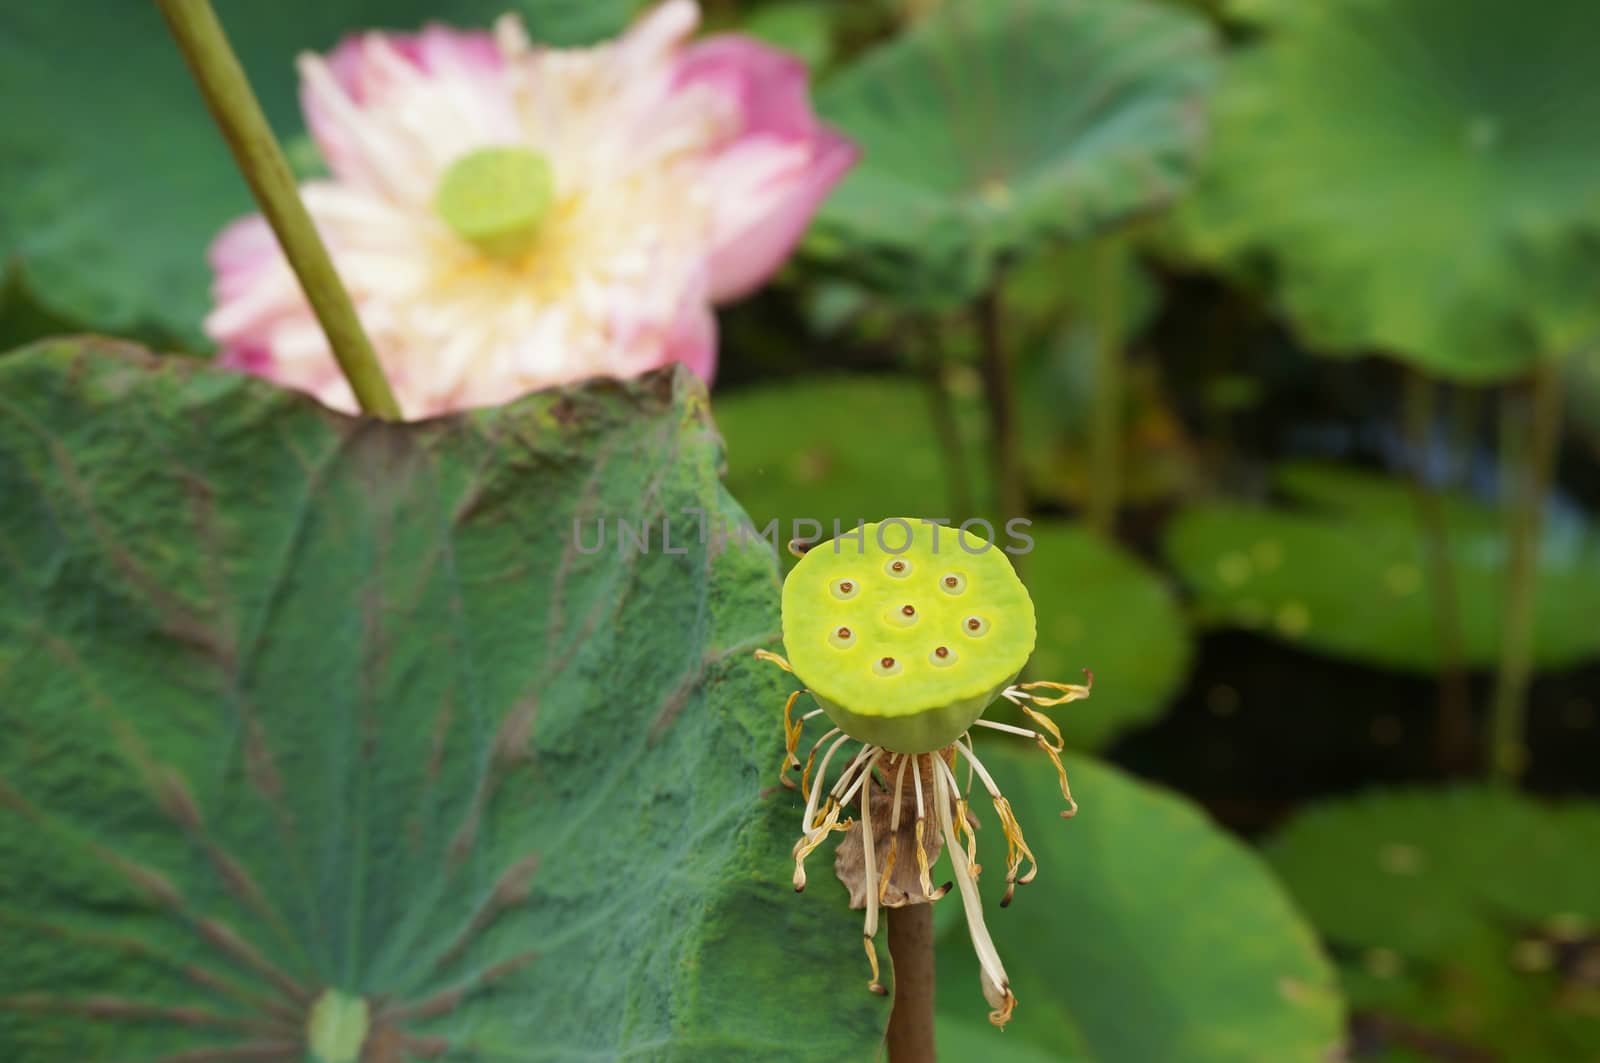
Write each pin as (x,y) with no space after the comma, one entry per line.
(511,217)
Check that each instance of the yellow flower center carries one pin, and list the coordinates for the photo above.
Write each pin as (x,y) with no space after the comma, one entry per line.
(496,199)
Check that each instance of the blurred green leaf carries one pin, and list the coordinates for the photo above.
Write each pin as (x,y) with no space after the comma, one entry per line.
(801,27)
(1102,609)
(1054,289)
(975,1039)
(1463,916)
(295,703)
(1058,394)
(1347,573)
(113,178)
(1149,934)
(22,319)
(1413,191)
(1582,386)
(990,129)
(841,449)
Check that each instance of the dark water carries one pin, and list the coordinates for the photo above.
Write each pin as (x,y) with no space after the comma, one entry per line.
(1262,728)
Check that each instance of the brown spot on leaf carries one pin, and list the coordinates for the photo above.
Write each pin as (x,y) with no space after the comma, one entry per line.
(173,795)
(511,740)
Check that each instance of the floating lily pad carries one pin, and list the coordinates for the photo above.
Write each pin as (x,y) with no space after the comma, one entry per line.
(323,733)
(1102,609)
(1411,191)
(990,129)
(1462,917)
(114,179)
(842,449)
(1345,572)
(1150,934)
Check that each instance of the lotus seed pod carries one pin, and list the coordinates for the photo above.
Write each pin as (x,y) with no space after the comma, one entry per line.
(906,632)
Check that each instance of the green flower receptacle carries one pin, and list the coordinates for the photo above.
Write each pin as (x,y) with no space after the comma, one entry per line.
(907,632)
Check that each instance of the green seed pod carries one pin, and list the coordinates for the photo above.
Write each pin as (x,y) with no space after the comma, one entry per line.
(905,633)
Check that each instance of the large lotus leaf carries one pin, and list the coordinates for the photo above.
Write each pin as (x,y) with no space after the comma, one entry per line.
(113,178)
(1346,573)
(991,128)
(1462,916)
(1413,190)
(1149,934)
(316,726)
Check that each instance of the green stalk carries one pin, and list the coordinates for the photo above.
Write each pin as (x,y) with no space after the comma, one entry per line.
(1453,726)
(946,425)
(1105,441)
(227,94)
(1508,754)
(1000,390)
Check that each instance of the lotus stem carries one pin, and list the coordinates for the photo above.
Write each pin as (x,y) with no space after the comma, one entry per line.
(1105,440)
(200,37)
(946,425)
(1537,453)
(1000,390)
(1453,725)
(910,1037)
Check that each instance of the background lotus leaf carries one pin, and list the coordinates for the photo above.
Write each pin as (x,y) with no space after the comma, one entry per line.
(1409,186)
(1345,572)
(992,128)
(1463,919)
(1139,898)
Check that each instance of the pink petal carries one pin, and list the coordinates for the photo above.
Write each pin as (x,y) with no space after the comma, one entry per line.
(362,80)
(648,334)
(252,358)
(442,50)
(776,165)
(436,49)
(693,340)
(239,254)
(765,209)
(767,86)
(659,32)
